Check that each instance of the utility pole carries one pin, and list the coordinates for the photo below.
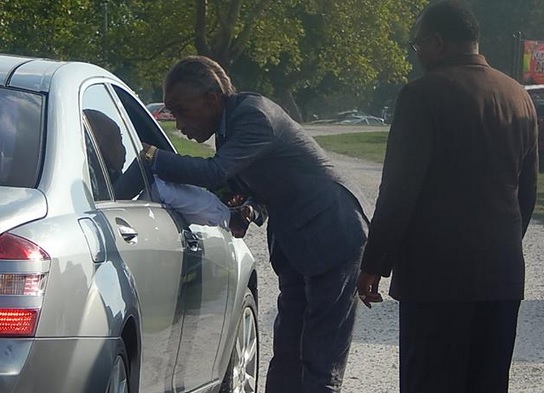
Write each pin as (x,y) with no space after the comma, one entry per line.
(517,40)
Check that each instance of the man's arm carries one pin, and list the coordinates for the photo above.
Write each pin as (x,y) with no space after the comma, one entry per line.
(528,181)
(196,204)
(408,154)
(250,138)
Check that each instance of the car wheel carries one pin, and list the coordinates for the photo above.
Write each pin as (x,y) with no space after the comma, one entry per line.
(242,372)
(119,376)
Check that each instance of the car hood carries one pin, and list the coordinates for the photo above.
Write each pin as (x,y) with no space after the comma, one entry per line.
(19,206)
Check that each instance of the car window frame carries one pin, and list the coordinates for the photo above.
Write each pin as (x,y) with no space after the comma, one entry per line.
(152,127)
(87,129)
(145,195)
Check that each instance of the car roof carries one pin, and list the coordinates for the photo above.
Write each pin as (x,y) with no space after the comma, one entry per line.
(27,72)
(36,74)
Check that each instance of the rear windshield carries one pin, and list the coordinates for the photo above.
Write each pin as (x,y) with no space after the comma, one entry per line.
(20,137)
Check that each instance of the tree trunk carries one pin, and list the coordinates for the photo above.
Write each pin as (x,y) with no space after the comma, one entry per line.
(287,101)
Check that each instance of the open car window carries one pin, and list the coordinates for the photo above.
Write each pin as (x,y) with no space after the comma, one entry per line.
(142,121)
(114,143)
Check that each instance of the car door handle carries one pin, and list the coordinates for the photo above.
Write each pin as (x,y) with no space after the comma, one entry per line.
(191,241)
(128,234)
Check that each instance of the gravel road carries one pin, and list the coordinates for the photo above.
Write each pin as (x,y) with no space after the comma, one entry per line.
(373,362)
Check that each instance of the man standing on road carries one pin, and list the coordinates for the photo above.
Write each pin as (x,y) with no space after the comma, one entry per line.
(458,190)
(315,226)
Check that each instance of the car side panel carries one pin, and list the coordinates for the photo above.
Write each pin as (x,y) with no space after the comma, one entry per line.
(62,366)
(154,260)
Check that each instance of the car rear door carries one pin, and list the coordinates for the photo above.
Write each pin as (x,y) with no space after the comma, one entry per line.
(146,235)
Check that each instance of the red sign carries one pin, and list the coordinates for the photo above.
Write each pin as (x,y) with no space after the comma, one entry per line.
(533,62)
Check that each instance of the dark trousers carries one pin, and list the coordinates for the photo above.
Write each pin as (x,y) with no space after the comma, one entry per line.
(313,328)
(456,347)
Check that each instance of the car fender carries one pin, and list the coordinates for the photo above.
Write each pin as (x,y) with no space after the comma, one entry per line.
(246,278)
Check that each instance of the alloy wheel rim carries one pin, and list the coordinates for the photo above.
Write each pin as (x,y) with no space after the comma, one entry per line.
(246,355)
(118,378)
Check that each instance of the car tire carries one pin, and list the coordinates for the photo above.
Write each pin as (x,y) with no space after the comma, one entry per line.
(242,371)
(120,373)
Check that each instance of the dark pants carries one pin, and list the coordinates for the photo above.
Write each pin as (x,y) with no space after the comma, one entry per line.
(456,347)
(313,328)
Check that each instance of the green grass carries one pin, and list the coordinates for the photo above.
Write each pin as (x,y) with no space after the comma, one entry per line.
(184,145)
(365,145)
(371,146)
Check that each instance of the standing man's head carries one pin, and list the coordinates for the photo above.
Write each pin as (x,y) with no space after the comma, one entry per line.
(195,90)
(445,29)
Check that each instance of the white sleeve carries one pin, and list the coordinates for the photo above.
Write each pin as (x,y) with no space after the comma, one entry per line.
(196,204)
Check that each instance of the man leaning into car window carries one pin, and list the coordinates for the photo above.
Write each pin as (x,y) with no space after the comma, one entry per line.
(195,204)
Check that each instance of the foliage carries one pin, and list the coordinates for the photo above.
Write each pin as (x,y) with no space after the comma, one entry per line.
(500,20)
(340,47)
(293,48)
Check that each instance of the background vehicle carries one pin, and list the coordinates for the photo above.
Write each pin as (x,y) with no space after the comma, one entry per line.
(159,111)
(537,95)
(101,288)
(352,117)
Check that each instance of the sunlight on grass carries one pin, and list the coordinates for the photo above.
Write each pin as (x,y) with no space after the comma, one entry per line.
(364,145)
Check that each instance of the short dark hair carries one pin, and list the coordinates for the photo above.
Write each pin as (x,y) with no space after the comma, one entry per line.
(452,19)
(202,73)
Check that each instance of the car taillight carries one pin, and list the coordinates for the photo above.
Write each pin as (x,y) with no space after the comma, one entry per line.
(18,321)
(22,285)
(17,248)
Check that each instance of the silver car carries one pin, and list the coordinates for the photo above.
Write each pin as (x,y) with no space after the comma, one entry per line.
(102,289)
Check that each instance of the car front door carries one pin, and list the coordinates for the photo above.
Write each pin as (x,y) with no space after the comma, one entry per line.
(204,277)
(146,235)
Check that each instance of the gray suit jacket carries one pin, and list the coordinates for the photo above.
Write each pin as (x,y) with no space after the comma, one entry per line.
(313,217)
(458,187)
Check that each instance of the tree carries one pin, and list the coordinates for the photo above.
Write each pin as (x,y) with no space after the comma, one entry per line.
(500,20)
(50,28)
(340,47)
(293,49)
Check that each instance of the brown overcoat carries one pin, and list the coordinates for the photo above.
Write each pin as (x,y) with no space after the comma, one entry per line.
(458,186)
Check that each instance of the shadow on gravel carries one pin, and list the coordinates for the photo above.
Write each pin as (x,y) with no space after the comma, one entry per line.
(378,325)
(530,335)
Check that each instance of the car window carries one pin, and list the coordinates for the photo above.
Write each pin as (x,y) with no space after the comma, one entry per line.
(114,143)
(143,123)
(98,180)
(21,137)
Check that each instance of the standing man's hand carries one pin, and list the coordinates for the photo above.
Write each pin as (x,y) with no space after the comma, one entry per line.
(367,286)
(240,218)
